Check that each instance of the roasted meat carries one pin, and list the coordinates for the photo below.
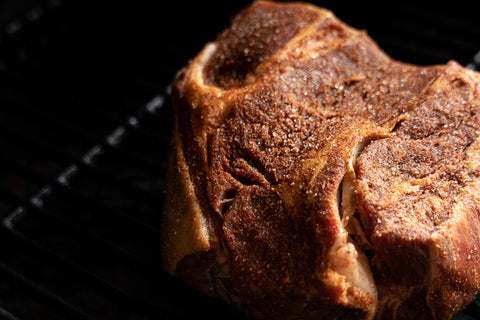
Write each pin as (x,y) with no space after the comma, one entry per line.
(313,177)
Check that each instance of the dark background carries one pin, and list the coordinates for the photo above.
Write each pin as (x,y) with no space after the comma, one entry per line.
(85,120)
(421,32)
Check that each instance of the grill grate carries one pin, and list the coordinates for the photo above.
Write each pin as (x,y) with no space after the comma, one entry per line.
(84,129)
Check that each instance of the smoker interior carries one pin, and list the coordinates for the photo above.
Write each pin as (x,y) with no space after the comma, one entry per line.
(85,120)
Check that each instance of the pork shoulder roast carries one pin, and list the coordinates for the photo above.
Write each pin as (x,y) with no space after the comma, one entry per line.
(311,176)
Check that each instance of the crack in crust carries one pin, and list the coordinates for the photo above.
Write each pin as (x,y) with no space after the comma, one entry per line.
(309,172)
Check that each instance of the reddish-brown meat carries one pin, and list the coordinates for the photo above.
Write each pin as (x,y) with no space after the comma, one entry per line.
(313,177)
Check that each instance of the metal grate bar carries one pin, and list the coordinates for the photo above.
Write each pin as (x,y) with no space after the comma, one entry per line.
(111,144)
(136,159)
(84,271)
(140,194)
(98,221)
(40,293)
(47,259)
(65,185)
(111,214)
(4,314)
(86,236)
(59,254)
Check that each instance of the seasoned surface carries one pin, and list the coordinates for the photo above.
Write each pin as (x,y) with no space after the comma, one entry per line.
(311,176)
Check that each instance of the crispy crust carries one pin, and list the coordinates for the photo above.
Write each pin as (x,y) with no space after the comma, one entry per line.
(298,152)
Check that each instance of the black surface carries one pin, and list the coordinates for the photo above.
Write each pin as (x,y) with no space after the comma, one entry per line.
(84,127)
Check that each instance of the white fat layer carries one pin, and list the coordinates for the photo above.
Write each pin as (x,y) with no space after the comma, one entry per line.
(200,62)
(346,258)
